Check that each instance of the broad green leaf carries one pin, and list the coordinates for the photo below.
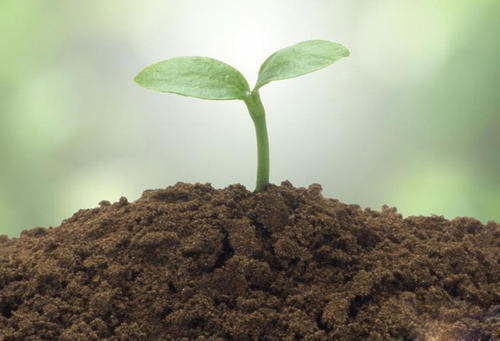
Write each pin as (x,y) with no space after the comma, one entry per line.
(199,77)
(299,59)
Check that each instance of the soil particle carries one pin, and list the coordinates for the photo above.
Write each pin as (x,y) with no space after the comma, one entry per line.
(190,262)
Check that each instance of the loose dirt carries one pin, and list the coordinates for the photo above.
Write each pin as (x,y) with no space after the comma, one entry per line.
(190,262)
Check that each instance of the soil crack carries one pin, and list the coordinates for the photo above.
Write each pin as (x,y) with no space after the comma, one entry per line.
(226,254)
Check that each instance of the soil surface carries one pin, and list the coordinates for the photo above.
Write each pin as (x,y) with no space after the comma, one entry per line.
(190,262)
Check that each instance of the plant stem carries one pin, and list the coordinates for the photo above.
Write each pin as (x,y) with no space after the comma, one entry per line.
(258,115)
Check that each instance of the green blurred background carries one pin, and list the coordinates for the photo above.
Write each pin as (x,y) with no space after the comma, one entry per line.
(411,119)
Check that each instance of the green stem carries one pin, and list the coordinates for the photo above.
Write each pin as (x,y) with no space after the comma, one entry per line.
(258,115)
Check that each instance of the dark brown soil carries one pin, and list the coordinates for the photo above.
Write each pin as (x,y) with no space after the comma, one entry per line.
(193,263)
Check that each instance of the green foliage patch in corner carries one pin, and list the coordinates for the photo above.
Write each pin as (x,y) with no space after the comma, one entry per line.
(209,78)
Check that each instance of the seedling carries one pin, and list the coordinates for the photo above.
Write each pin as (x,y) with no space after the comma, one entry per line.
(208,78)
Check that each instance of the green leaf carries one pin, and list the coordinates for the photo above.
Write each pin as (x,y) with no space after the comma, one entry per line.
(299,59)
(199,77)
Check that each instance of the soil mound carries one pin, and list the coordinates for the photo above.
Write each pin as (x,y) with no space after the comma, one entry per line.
(190,262)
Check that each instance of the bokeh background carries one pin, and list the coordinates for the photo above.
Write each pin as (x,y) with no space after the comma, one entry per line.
(411,119)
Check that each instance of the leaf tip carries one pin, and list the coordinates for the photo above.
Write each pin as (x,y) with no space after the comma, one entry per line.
(138,78)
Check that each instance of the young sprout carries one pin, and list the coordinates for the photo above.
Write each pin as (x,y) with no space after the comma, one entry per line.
(209,78)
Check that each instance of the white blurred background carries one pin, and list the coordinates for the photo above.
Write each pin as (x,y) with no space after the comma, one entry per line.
(410,119)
